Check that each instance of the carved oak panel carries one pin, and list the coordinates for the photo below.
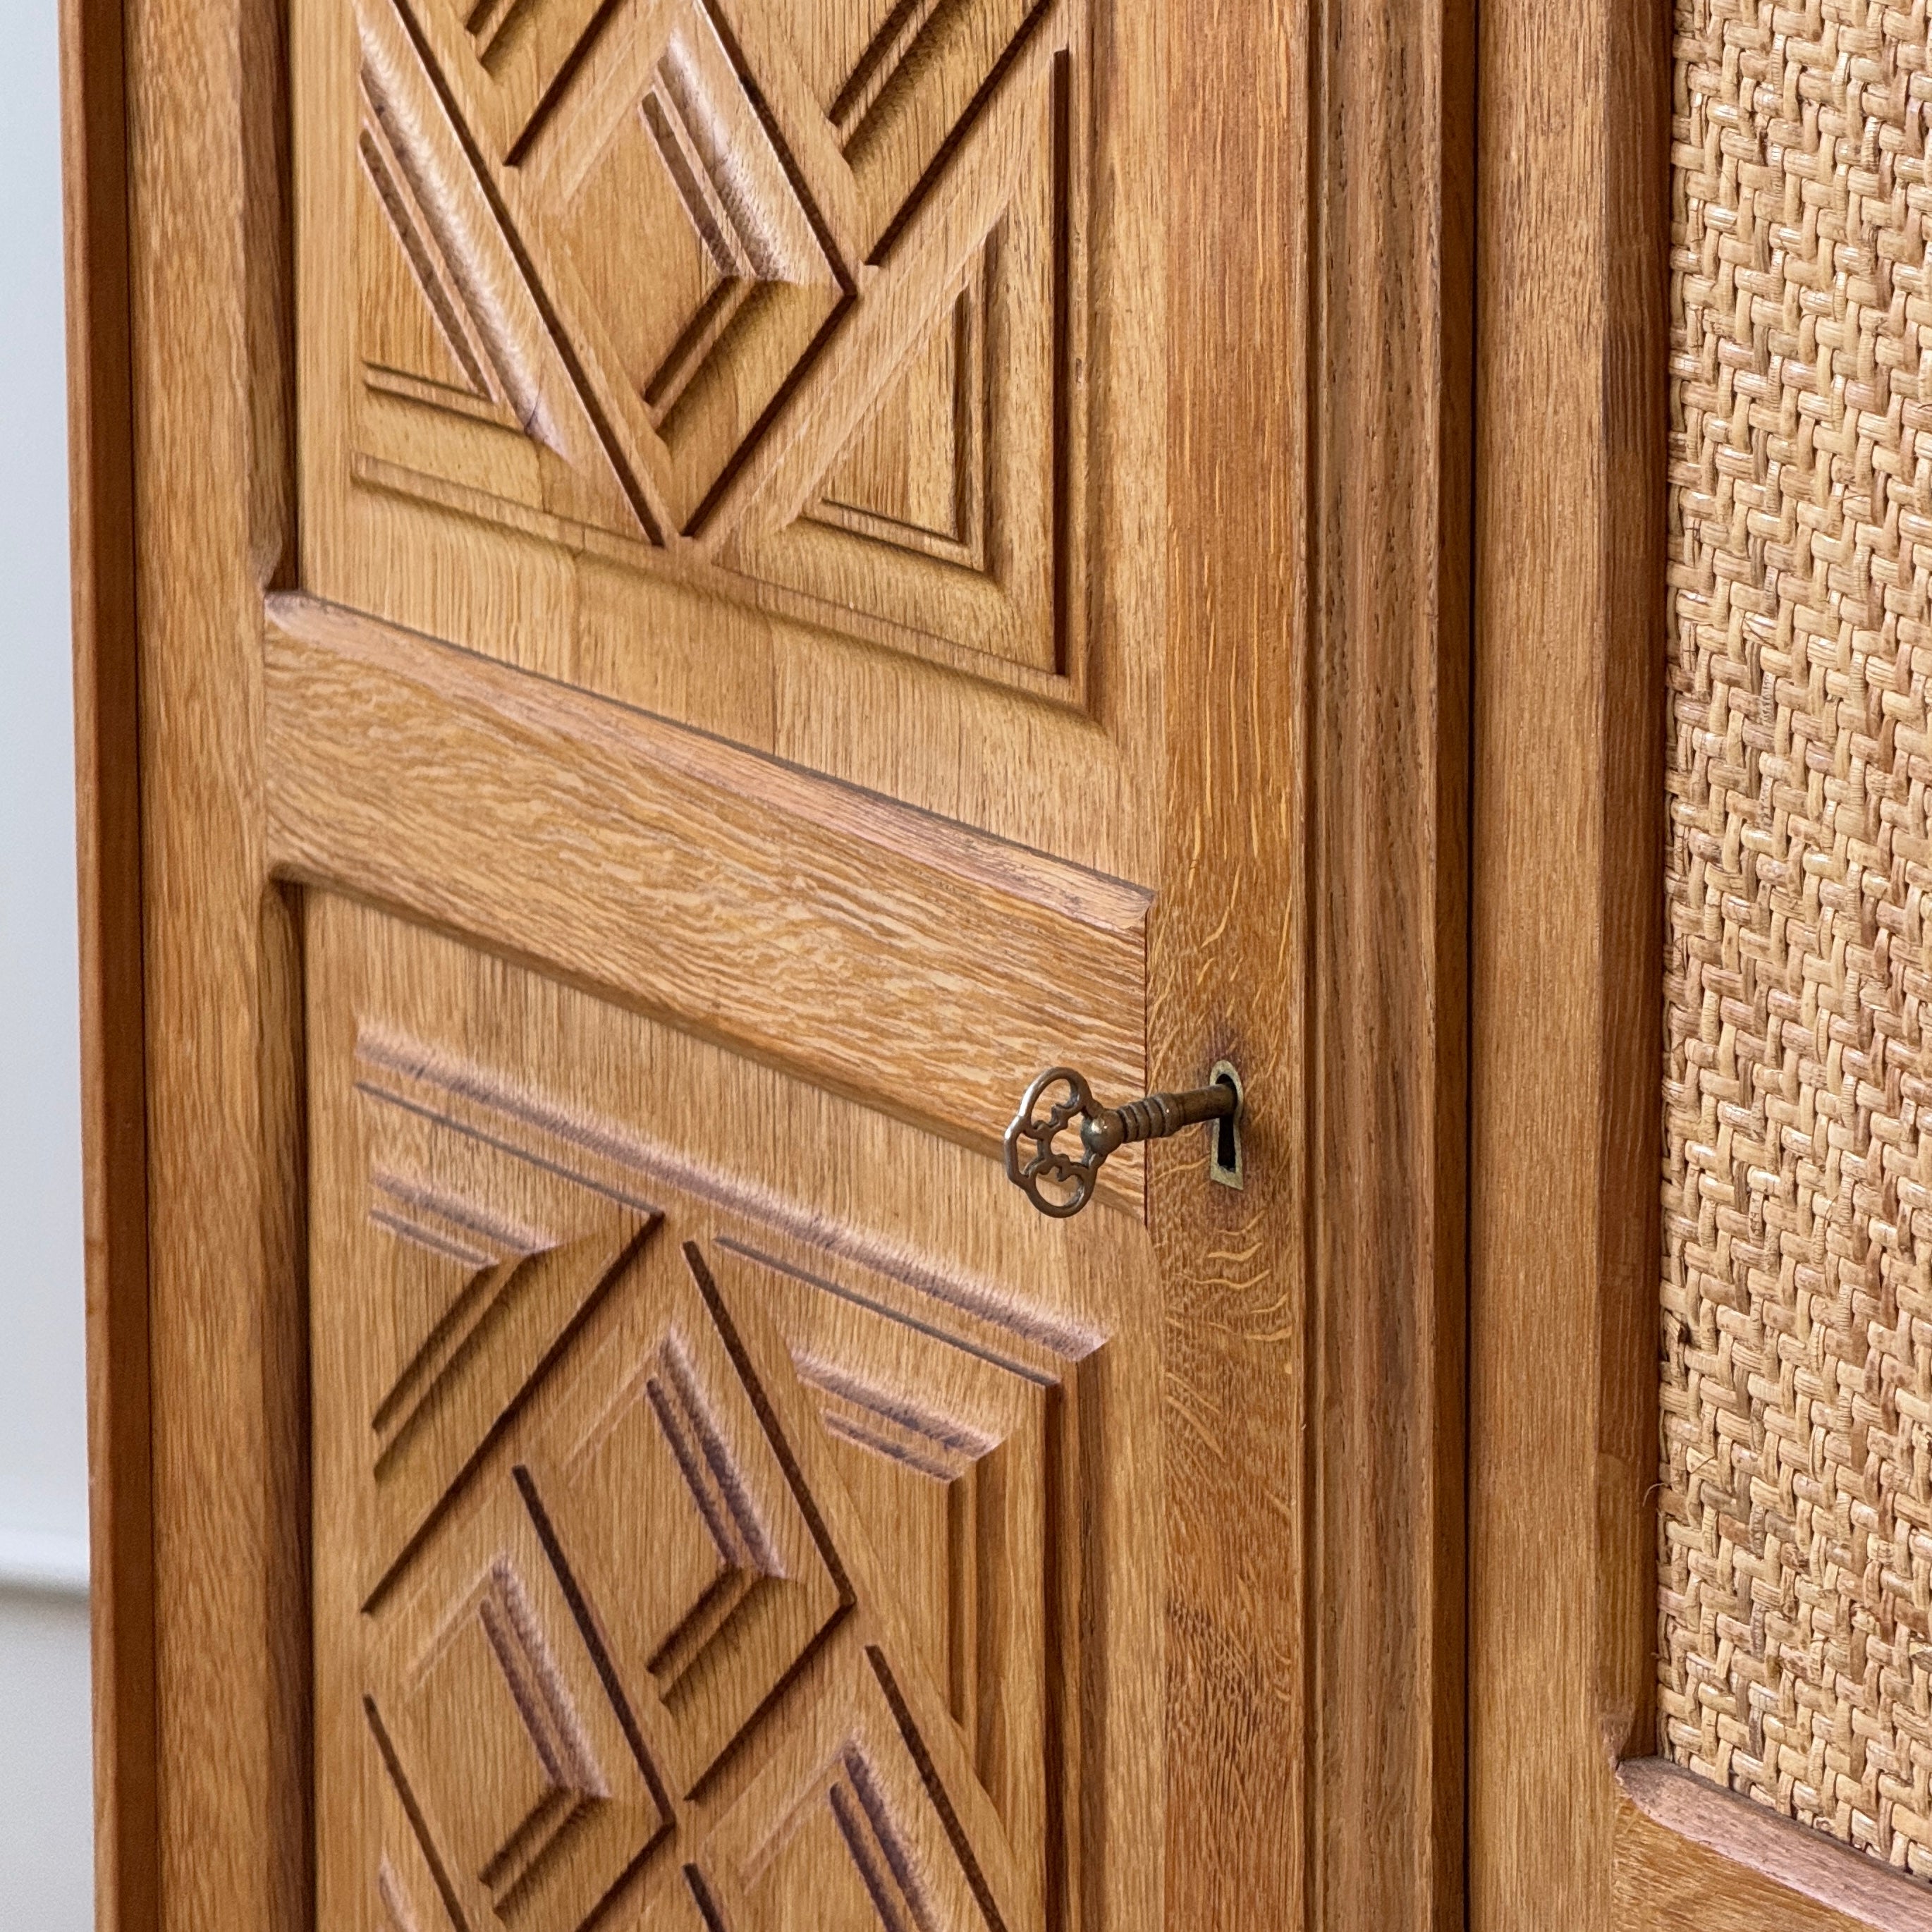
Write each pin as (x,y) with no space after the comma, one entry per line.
(679,1564)
(776,367)
(660,268)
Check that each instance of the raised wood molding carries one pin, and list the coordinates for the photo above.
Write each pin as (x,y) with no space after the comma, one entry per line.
(412,770)
(1388,862)
(1690,1851)
(1567,946)
(1331,599)
(214,515)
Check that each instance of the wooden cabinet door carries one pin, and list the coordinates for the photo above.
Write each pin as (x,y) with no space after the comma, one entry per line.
(721,623)
(678,596)
(1698,1573)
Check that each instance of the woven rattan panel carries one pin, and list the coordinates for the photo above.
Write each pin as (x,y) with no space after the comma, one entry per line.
(1796,1541)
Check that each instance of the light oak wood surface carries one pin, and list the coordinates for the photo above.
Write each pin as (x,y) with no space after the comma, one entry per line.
(636,772)
(214,515)
(706,500)
(906,961)
(1566,946)
(706,1294)
(1389,863)
(1690,1853)
(1229,942)
(967,636)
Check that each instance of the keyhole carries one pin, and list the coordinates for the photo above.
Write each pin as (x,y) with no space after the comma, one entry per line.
(1226,1164)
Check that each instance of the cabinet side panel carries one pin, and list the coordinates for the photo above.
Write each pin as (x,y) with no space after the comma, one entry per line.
(1796,1537)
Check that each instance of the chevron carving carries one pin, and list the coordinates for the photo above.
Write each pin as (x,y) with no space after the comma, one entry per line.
(791,296)
(701,1579)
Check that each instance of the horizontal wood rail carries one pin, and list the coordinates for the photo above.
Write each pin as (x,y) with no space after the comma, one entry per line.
(715,889)
(1692,1852)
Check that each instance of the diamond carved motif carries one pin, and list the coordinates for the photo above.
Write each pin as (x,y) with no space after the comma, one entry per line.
(850,1829)
(746,264)
(719,232)
(451,1265)
(749,1614)
(480,1265)
(525,1794)
(419,338)
(949,1442)
(737,1581)
(527,46)
(492,1689)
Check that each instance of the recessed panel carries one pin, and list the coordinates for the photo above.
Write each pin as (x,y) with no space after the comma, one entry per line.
(749,1567)
(759,362)
(1796,1557)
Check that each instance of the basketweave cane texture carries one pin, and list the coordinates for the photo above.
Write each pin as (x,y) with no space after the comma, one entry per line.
(1795,1660)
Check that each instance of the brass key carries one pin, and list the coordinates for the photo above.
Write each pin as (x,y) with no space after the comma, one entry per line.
(1062,1183)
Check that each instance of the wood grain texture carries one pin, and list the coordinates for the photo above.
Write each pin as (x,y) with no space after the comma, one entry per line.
(731,1491)
(914,964)
(1389,860)
(1265,474)
(1688,1852)
(213,518)
(1566,954)
(1229,944)
(107,778)
(581,459)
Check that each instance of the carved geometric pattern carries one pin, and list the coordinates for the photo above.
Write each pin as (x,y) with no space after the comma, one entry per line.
(951,1443)
(849,1828)
(737,195)
(479,1266)
(409,1895)
(527,1797)
(1795,1531)
(754,1610)
(490,1685)
(419,338)
(736,1582)
(689,229)
(452,1266)
(459,279)
(957,461)
(914,476)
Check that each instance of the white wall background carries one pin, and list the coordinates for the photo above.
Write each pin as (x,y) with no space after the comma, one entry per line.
(46,1804)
